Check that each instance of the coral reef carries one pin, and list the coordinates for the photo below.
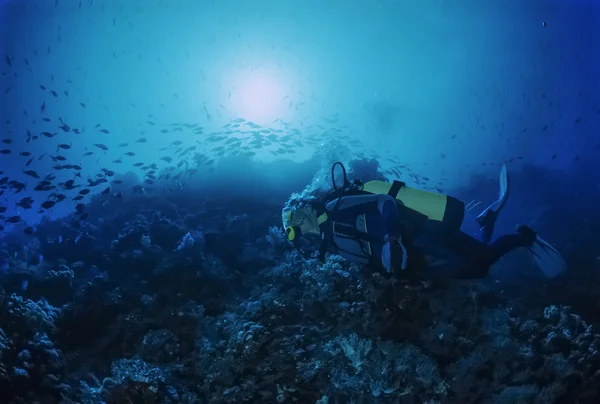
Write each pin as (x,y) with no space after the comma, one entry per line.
(164,304)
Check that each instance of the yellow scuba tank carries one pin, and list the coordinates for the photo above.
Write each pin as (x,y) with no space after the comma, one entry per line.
(442,208)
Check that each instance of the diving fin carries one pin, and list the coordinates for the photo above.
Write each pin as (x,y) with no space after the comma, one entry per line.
(487,218)
(547,258)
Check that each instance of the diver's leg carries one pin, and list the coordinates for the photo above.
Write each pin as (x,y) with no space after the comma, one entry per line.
(475,257)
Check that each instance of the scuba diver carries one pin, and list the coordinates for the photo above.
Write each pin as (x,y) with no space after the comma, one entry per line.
(398,228)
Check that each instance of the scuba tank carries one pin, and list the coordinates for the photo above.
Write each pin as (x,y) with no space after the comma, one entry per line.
(415,204)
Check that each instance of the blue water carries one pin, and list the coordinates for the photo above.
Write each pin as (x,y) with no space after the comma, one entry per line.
(203,117)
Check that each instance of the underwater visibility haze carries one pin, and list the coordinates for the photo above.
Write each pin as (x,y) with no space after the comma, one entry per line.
(227,201)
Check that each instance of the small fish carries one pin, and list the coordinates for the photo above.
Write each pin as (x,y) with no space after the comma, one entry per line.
(104,131)
(31,173)
(25,154)
(28,230)
(88,153)
(84,191)
(7,141)
(101,146)
(130,154)
(82,104)
(54,93)
(48,204)
(14,219)
(141,140)
(123,145)
(24,204)
(43,187)
(64,146)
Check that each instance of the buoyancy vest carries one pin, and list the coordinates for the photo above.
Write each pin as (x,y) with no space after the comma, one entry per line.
(347,227)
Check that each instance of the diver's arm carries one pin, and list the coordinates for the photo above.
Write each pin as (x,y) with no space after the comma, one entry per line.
(389,215)
(393,254)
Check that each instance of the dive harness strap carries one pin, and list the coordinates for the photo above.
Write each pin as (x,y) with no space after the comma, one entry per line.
(348,190)
(345,230)
(399,258)
(395,188)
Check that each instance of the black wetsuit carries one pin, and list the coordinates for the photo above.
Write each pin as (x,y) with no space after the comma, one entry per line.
(474,256)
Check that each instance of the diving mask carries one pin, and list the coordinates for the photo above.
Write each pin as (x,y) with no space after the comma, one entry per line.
(291,231)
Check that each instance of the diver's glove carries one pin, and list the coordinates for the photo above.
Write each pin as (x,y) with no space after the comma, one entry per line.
(394,253)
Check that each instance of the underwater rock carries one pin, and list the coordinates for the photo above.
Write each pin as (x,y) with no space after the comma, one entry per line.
(186,242)
(159,346)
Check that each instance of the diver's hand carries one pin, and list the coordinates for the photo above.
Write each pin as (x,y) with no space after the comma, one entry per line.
(394,253)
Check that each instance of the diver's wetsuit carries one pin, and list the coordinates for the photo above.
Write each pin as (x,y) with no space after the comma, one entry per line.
(360,225)
(475,256)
